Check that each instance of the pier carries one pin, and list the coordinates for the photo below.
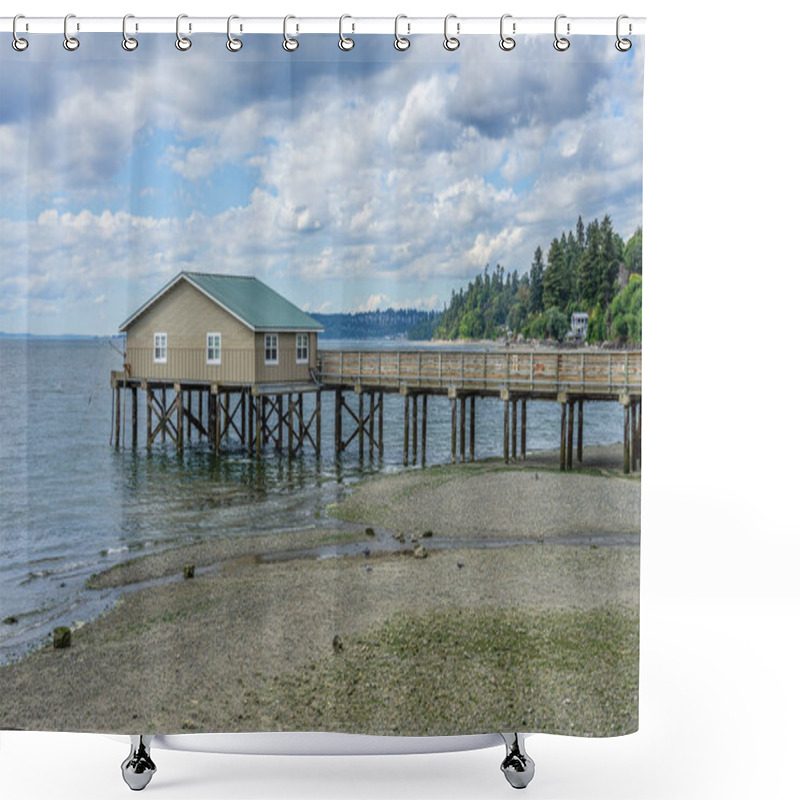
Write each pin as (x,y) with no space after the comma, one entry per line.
(289,415)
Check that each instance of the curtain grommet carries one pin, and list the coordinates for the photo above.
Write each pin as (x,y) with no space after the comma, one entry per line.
(507,43)
(183,43)
(401,43)
(18,43)
(623,45)
(290,44)
(451,43)
(70,43)
(561,43)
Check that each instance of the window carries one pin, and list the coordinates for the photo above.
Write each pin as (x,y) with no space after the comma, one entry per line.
(302,348)
(160,348)
(213,348)
(271,348)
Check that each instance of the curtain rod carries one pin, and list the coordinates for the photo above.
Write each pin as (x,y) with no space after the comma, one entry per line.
(461,26)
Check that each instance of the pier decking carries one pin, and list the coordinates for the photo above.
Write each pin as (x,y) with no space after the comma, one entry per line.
(259,413)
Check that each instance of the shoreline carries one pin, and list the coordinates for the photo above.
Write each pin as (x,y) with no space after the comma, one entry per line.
(239,646)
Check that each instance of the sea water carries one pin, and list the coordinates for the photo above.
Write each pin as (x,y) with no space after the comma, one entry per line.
(72,505)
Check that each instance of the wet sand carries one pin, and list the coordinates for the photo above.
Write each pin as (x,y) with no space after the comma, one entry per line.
(467,639)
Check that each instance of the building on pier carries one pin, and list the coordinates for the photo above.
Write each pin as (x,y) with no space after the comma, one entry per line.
(220,355)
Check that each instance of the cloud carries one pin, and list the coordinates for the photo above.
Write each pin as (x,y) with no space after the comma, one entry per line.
(344,183)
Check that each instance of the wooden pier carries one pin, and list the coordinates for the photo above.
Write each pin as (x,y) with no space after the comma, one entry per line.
(256,415)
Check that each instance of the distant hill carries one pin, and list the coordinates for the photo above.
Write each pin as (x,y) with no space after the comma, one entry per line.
(59,336)
(408,323)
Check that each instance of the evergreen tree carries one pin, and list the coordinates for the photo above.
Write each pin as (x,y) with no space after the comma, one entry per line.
(555,283)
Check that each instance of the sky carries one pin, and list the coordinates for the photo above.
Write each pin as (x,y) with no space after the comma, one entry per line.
(347,181)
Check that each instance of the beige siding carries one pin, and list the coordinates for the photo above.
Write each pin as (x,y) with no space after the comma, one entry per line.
(186,315)
(287,369)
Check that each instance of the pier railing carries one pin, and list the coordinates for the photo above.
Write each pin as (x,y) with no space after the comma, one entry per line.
(585,372)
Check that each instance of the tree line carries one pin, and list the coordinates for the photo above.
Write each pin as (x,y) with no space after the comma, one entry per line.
(590,269)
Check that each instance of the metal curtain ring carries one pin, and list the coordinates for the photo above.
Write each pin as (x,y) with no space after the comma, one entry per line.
(128,42)
(344,42)
(70,42)
(561,43)
(233,44)
(451,42)
(18,43)
(400,42)
(506,42)
(181,42)
(623,45)
(289,44)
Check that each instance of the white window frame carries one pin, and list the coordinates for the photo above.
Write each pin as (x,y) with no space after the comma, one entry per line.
(271,337)
(217,347)
(300,347)
(157,346)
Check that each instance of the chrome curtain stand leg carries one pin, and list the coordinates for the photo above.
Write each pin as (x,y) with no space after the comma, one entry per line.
(517,766)
(138,768)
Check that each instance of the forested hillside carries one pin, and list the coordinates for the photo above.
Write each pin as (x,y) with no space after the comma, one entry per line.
(390,322)
(589,269)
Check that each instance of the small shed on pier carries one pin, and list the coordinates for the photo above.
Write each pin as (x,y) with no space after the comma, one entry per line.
(208,328)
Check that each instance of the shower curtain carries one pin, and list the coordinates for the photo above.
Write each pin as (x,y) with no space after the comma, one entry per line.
(321,384)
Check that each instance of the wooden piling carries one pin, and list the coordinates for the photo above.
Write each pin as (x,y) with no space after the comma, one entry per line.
(179,420)
(337,422)
(361,425)
(163,414)
(472,427)
(415,420)
(626,443)
(505,430)
(405,431)
(189,394)
(319,422)
(563,454)
(134,417)
(424,426)
(116,416)
(570,433)
(217,423)
(453,426)
(371,423)
(380,424)
(580,431)
(149,415)
(462,433)
(514,429)
(523,433)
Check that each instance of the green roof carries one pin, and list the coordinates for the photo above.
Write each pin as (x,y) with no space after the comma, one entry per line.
(247,298)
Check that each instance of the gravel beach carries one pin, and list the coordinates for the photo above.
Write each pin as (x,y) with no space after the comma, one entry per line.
(539,636)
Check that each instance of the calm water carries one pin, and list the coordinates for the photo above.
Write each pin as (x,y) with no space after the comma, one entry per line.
(71,505)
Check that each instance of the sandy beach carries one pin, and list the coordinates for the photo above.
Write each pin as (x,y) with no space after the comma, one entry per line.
(505,623)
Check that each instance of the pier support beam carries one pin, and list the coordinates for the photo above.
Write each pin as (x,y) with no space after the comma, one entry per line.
(134,417)
(625,401)
(514,429)
(117,404)
(570,433)
(463,429)
(380,424)
(562,399)
(472,428)
(580,431)
(406,401)
(451,393)
(179,416)
(424,426)
(505,398)
(414,429)
(523,433)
